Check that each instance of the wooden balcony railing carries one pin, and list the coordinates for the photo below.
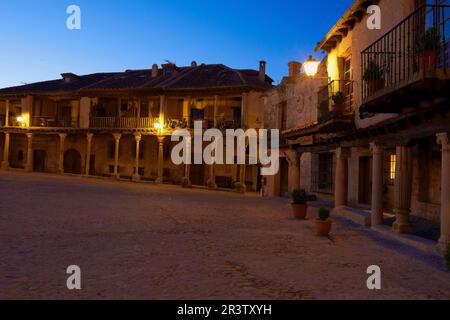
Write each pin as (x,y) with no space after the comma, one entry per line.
(418,43)
(335,99)
(52,122)
(121,123)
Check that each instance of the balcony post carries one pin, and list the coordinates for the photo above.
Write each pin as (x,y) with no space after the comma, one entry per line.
(160,178)
(29,164)
(403,190)
(5,162)
(244,103)
(62,139)
(377,184)
(137,138)
(444,141)
(216,98)
(341,179)
(187,111)
(89,138)
(162,109)
(117,137)
(7,114)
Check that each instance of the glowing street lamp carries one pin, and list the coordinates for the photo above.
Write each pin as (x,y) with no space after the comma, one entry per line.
(311,66)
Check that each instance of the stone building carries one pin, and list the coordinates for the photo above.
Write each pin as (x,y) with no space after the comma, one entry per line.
(374,138)
(119,124)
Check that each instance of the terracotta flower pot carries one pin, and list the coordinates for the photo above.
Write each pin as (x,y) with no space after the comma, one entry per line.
(339,108)
(428,61)
(299,211)
(323,228)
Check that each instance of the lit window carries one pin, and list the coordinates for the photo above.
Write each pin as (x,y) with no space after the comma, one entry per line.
(393,163)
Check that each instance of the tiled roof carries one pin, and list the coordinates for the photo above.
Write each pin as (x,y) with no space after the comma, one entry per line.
(175,78)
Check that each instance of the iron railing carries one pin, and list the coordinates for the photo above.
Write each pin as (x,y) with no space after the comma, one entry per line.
(419,42)
(122,123)
(327,107)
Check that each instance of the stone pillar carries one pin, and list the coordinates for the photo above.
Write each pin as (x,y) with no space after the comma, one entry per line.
(377,217)
(242,177)
(403,190)
(117,137)
(244,103)
(137,138)
(294,170)
(187,111)
(5,162)
(7,114)
(29,164)
(443,139)
(160,178)
(341,177)
(62,139)
(89,137)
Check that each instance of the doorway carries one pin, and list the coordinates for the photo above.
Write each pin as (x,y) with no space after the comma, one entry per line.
(284,177)
(39,157)
(365,180)
(72,162)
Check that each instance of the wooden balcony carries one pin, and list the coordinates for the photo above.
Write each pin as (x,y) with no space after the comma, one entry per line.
(52,122)
(122,123)
(335,105)
(409,65)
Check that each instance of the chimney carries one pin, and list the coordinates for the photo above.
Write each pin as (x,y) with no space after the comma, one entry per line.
(154,71)
(262,70)
(194,64)
(294,69)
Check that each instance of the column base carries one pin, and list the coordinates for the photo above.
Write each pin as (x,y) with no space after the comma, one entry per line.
(159,180)
(136,178)
(444,243)
(5,165)
(116,176)
(29,169)
(403,228)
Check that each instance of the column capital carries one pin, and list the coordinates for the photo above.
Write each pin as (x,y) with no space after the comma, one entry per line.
(62,136)
(161,139)
(117,136)
(443,139)
(377,148)
(29,135)
(342,153)
(137,137)
(89,136)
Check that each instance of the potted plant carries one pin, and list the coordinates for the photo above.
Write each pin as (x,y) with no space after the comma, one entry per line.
(373,75)
(323,223)
(339,102)
(185,182)
(428,47)
(299,204)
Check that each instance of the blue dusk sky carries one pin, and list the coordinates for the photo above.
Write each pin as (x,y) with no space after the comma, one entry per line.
(134,34)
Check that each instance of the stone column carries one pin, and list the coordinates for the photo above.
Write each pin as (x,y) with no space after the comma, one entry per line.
(403,190)
(5,162)
(29,164)
(377,217)
(117,137)
(137,138)
(62,139)
(162,109)
(89,137)
(160,178)
(7,114)
(341,177)
(294,169)
(187,111)
(242,177)
(443,139)
(216,99)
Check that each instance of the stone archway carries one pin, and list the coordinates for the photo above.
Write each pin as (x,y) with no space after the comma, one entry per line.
(72,162)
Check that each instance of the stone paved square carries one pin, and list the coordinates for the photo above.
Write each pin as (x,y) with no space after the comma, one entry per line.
(139,241)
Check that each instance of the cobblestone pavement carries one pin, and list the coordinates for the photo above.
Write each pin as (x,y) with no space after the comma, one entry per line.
(138,241)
